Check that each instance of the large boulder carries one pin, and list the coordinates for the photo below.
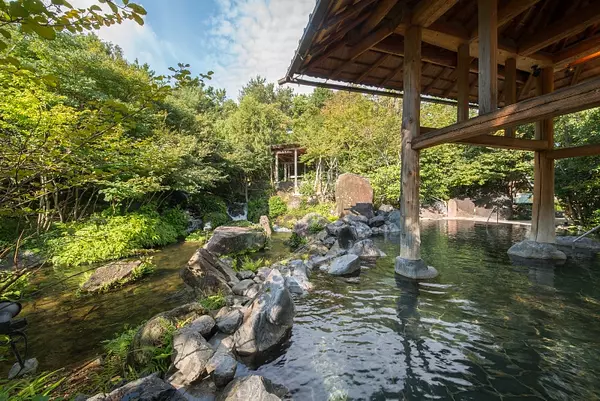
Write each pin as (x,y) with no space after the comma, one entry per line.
(335,227)
(345,265)
(268,319)
(229,320)
(191,354)
(351,189)
(366,248)
(536,250)
(361,230)
(255,388)
(154,331)
(206,275)
(311,223)
(227,240)
(149,388)
(110,275)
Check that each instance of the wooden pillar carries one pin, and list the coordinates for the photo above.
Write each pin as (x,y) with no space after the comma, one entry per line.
(276,168)
(488,49)
(462,69)
(296,171)
(410,239)
(510,89)
(543,228)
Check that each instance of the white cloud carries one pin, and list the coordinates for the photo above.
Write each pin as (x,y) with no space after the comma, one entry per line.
(255,37)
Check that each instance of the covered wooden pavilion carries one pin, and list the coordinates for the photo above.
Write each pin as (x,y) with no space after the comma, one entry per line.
(517,61)
(287,155)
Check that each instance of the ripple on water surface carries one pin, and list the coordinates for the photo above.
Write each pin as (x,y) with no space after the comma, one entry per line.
(483,330)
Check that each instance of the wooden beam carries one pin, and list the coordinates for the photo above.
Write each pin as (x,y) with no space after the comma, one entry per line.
(462,70)
(428,11)
(571,54)
(543,228)
(373,67)
(526,88)
(576,151)
(410,237)
(488,50)
(350,11)
(576,74)
(379,13)
(510,89)
(569,26)
(504,142)
(563,101)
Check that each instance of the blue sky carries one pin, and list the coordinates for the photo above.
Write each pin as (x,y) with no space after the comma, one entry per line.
(237,39)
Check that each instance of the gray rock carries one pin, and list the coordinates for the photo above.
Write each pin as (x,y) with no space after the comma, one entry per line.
(363,209)
(346,237)
(27,259)
(378,230)
(336,250)
(583,243)
(344,265)
(255,388)
(29,368)
(206,275)
(235,240)
(352,218)
(191,354)
(335,227)
(350,190)
(236,300)
(391,228)
(228,320)
(153,332)
(149,388)
(536,250)
(415,269)
(386,208)
(361,230)
(268,319)
(377,221)
(222,340)
(242,286)
(321,235)
(203,325)
(252,290)
(394,217)
(110,274)
(309,222)
(245,275)
(366,249)
(222,367)
(329,241)
(266,225)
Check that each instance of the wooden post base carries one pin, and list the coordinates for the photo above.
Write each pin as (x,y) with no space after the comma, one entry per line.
(415,269)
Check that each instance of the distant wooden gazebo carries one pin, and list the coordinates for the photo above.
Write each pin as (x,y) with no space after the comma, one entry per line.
(517,61)
(287,155)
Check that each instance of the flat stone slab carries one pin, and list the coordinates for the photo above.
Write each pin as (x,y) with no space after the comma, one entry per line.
(536,250)
(227,240)
(415,269)
(111,274)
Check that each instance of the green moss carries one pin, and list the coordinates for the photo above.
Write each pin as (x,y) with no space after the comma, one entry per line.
(145,268)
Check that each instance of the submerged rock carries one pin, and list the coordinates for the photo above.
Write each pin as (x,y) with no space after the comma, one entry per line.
(110,275)
(153,332)
(268,319)
(308,223)
(235,240)
(206,275)
(255,388)
(536,250)
(344,266)
(149,388)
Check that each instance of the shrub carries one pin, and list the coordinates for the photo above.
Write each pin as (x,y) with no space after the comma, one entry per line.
(202,204)
(37,388)
(198,236)
(257,207)
(296,241)
(113,237)
(216,219)
(315,228)
(213,302)
(247,263)
(277,207)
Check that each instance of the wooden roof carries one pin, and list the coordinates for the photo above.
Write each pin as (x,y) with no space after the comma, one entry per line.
(361,42)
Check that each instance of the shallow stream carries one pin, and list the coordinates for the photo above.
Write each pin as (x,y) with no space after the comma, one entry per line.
(484,329)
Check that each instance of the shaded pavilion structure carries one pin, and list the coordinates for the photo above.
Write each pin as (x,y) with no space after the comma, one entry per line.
(287,156)
(516,61)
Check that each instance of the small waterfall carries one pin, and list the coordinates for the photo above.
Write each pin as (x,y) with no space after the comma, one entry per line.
(238,211)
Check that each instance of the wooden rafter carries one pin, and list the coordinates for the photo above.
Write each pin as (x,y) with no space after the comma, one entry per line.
(382,59)
(566,27)
(350,11)
(576,74)
(505,14)
(379,13)
(564,101)
(571,54)
(428,11)
(433,81)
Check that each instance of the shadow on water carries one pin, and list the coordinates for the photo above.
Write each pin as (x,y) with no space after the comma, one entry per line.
(485,328)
